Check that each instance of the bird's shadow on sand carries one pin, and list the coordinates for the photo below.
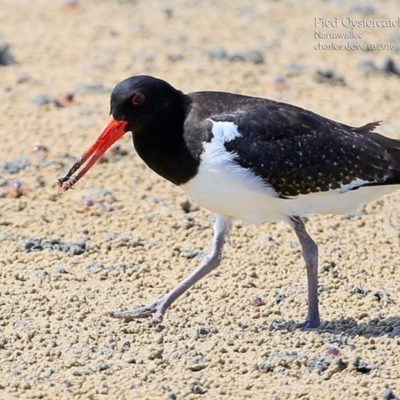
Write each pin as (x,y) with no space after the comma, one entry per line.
(350,327)
(389,327)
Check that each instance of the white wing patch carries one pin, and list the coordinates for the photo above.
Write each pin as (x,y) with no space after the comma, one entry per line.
(225,131)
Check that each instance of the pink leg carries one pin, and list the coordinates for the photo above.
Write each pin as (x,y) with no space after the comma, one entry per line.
(157,308)
(310,255)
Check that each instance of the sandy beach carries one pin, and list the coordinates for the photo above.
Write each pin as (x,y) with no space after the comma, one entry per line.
(125,236)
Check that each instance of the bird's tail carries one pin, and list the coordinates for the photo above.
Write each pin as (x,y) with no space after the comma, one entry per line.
(392,146)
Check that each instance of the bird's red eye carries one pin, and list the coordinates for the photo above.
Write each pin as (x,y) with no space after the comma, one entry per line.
(138,98)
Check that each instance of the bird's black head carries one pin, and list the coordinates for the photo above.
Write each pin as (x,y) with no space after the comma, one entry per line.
(148,107)
(143,101)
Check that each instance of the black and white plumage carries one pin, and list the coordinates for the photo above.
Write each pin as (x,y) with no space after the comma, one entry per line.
(248,158)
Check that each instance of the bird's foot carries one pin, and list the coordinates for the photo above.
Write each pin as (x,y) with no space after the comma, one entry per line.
(309,324)
(291,326)
(155,310)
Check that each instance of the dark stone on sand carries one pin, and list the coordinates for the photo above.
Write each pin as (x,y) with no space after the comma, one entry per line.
(42,99)
(253,56)
(362,367)
(394,39)
(389,395)
(294,69)
(16,164)
(367,66)
(91,88)
(219,54)
(390,67)
(196,388)
(6,57)
(329,76)
(362,9)
(37,244)
(60,270)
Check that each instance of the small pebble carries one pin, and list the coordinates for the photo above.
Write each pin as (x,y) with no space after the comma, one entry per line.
(280,297)
(16,188)
(40,150)
(169,13)
(94,267)
(37,244)
(362,9)
(16,164)
(394,39)
(42,99)
(279,83)
(198,363)
(196,388)
(6,57)
(332,351)
(362,367)
(64,100)
(91,88)
(70,4)
(294,69)
(203,331)
(253,56)
(175,57)
(219,54)
(329,76)
(257,301)
(390,67)
(318,363)
(265,367)
(389,395)
(60,270)
(367,66)
(86,204)
(102,366)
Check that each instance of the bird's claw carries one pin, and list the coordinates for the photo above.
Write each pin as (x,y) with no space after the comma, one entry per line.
(306,325)
(153,310)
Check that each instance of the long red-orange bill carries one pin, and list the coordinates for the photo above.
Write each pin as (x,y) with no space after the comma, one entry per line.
(111,132)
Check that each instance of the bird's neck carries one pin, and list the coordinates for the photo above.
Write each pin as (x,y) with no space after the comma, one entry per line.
(163,148)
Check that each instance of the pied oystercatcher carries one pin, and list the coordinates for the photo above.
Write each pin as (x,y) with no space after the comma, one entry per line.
(248,158)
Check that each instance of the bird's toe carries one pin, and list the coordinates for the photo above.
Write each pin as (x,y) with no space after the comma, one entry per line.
(151,310)
(309,324)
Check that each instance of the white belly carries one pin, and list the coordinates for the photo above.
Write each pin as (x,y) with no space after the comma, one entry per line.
(241,195)
(229,190)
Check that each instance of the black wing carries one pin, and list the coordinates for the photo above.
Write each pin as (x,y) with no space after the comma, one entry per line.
(298,152)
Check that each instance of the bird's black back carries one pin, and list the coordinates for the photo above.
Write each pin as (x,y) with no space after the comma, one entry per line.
(297,151)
